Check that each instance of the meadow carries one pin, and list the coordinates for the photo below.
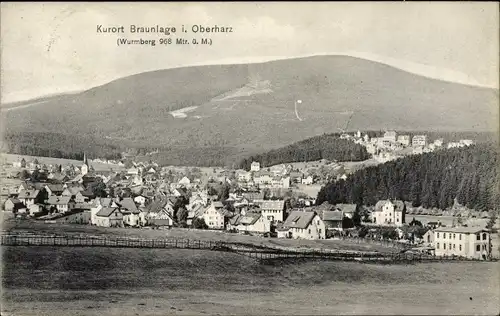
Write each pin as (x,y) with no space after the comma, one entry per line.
(103,281)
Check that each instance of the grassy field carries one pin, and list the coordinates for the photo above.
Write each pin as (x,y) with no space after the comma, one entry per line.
(100,281)
(192,234)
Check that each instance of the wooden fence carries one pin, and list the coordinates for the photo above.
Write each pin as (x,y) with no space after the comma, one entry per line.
(262,253)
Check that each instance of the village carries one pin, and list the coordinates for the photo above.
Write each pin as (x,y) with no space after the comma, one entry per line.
(260,201)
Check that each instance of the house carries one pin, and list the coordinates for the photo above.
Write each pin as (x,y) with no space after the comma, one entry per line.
(28,197)
(295,177)
(195,212)
(347,209)
(419,141)
(307,181)
(79,198)
(129,210)
(22,187)
(469,242)
(332,219)
(162,209)
(35,209)
(143,216)
(61,203)
(214,215)
(54,189)
(305,225)
(428,238)
(243,176)
(404,140)
(133,171)
(263,178)
(388,212)
(252,222)
(184,181)
(72,190)
(272,210)
(13,205)
(390,137)
(197,198)
(255,166)
(109,217)
(141,200)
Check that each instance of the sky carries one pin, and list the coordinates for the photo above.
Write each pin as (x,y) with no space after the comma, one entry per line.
(54,47)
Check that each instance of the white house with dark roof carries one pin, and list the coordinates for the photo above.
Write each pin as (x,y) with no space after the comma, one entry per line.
(28,197)
(304,225)
(255,166)
(272,210)
(61,203)
(214,215)
(390,213)
(252,222)
(129,210)
(470,242)
(109,217)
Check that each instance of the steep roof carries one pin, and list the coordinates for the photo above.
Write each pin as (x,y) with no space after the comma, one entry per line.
(106,211)
(249,218)
(128,204)
(196,211)
(56,187)
(158,205)
(58,200)
(270,204)
(347,208)
(299,219)
(27,194)
(332,215)
(218,204)
(398,205)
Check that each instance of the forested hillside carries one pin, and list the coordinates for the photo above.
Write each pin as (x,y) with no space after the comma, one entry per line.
(432,180)
(327,146)
(59,146)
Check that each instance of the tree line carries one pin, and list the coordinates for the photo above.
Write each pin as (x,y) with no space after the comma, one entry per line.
(469,176)
(327,146)
(59,146)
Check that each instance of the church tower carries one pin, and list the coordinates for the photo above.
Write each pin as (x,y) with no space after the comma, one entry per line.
(85,166)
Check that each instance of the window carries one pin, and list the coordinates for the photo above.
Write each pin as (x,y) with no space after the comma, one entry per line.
(478,247)
(484,247)
(449,246)
(453,246)
(438,236)
(449,235)
(437,246)
(309,231)
(485,236)
(478,237)
(444,246)
(453,236)
(460,247)
(318,222)
(459,236)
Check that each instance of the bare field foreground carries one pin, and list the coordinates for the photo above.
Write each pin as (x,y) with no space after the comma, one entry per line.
(104,281)
(15,226)
(110,281)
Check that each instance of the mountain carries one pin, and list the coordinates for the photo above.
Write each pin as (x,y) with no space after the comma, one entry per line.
(249,108)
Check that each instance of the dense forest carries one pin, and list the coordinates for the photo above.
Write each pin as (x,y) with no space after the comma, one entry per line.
(471,176)
(327,146)
(59,146)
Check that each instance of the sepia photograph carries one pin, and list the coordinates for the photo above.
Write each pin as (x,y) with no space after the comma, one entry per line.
(249,158)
